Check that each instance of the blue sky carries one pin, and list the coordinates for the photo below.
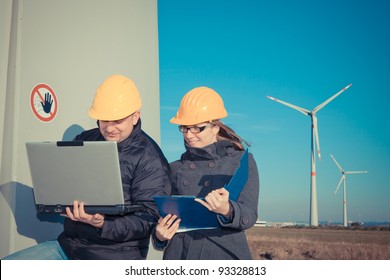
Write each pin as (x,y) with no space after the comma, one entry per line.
(301,52)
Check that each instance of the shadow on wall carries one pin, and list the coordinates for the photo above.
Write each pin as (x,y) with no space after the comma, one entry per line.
(71,132)
(29,223)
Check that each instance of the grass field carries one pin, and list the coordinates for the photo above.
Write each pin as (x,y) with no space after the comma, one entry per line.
(319,243)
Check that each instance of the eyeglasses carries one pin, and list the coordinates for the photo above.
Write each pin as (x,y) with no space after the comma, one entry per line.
(193,129)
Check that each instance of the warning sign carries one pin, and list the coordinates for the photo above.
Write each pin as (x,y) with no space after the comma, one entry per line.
(43,102)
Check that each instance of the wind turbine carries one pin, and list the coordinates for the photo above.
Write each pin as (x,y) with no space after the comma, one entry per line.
(344,178)
(315,144)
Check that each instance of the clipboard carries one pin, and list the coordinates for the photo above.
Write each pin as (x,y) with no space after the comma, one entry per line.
(194,215)
(238,181)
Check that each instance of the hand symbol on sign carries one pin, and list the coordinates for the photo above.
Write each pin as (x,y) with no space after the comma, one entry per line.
(48,102)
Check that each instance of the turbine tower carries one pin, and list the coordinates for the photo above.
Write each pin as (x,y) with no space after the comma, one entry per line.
(344,178)
(315,145)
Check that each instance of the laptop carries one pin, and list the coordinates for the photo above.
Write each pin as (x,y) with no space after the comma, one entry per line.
(89,172)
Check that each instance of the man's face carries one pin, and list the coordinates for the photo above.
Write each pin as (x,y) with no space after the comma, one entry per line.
(120,129)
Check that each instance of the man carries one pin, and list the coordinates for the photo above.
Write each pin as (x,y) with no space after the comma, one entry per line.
(145,173)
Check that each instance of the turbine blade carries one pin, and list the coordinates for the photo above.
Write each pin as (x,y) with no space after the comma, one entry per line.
(338,186)
(355,172)
(302,110)
(338,165)
(316,109)
(316,137)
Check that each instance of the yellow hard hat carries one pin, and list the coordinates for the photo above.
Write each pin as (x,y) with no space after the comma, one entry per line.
(116,98)
(201,104)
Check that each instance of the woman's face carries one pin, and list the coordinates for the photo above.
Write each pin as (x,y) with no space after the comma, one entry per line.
(207,134)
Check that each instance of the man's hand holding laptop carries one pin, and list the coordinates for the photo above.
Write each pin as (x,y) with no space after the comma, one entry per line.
(79,215)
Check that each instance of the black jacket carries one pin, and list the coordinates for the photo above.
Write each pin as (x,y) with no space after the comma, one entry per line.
(145,173)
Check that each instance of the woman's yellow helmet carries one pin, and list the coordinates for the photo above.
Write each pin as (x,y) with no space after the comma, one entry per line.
(201,104)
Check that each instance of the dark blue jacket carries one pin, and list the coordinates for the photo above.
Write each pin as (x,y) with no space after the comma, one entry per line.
(145,173)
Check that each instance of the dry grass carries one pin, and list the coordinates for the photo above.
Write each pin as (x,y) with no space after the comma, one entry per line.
(319,243)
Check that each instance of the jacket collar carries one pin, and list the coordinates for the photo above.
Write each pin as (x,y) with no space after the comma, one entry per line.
(216,150)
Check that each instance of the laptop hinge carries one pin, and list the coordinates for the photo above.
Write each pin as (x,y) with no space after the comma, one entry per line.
(70,143)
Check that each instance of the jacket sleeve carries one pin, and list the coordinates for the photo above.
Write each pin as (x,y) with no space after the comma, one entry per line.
(151,177)
(246,207)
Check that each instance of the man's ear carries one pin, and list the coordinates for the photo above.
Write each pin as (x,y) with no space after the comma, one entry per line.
(136,116)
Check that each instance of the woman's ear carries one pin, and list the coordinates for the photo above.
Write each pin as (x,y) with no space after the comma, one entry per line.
(216,129)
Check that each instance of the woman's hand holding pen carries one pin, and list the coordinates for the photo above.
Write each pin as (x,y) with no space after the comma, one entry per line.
(167,227)
(217,201)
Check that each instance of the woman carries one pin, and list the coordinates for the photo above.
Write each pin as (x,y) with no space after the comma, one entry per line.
(213,153)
